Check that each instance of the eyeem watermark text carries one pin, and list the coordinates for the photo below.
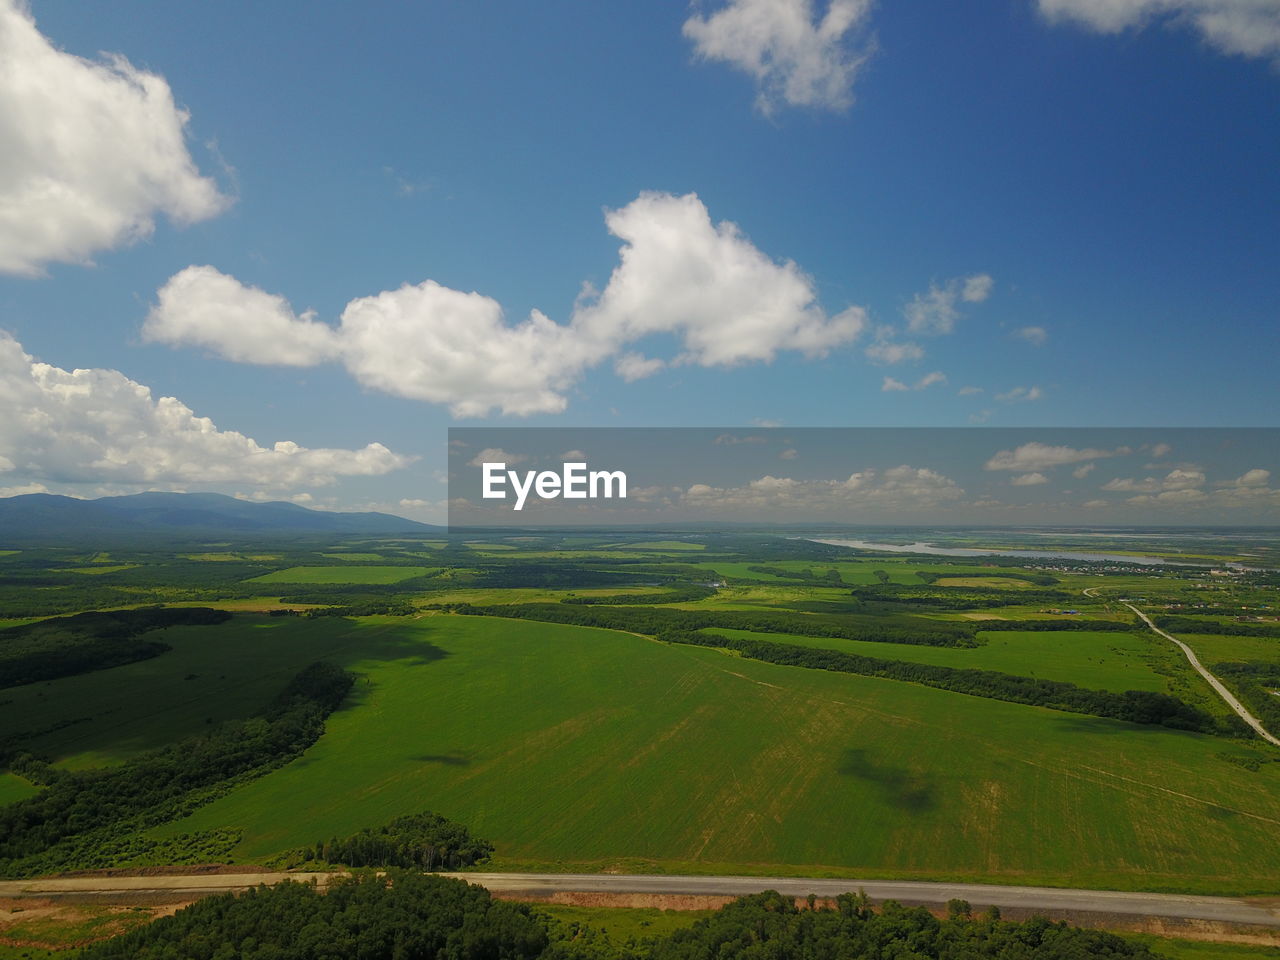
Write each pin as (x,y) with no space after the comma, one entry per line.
(573,482)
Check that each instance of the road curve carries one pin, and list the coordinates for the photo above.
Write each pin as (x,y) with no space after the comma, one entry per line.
(1214,682)
(980,896)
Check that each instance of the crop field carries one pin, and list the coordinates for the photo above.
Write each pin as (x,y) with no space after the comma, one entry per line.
(610,737)
(1100,661)
(485,694)
(344,574)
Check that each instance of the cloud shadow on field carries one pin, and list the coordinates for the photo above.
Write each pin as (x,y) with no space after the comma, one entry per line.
(446,759)
(899,787)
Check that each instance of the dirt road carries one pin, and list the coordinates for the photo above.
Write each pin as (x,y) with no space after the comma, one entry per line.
(1213,681)
(1222,909)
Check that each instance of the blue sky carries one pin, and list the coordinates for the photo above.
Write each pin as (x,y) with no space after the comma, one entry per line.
(1019,213)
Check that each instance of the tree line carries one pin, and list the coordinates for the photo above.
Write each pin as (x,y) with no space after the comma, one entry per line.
(658,620)
(77,812)
(685,626)
(1135,706)
(421,841)
(1177,624)
(405,916)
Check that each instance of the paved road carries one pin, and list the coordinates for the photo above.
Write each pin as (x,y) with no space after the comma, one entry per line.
(1222,909)
(1214,682)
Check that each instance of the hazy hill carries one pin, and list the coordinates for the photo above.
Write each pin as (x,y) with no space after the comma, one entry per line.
(39,517)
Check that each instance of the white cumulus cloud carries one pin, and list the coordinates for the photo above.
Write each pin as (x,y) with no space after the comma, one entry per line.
(204,307)
(97,425)
(723,300)
(1035,456)
(798,55)
(1029,480)
(897,488)
(1249,28)
(90,152)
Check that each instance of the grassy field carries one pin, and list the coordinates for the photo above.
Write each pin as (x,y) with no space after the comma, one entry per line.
(343,574)
(575,748)
(1216,649)
(13,787)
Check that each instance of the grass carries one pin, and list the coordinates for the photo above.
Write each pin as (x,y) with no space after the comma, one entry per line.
(582,749)
(999,583)
(1218,649)
(622,924)
(343,574)
(1099,661)
(1176,949)
(108,568)
(14,787)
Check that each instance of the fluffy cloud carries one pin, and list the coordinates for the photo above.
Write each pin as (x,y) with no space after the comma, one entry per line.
(977,288)
(203,307)
(497,455)
(935,312)
(796,57)
(1248,28)
(1035,456)
(1183,488)
(680,274)
(1256,477)
(90,152)
(428,342)
(99,426)
(1173,482)
(636,366)
(728,301)
(1029,480)
(897,488)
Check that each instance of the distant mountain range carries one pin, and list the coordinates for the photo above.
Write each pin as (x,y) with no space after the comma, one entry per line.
(42,517)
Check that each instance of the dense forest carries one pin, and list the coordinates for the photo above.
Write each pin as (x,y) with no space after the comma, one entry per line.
(80,817)
(1254,682)
(1177,624)
(65,646)
(408,916)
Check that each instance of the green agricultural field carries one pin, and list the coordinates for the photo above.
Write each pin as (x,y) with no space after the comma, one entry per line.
(578,748)
(662,546)
(343,574)
(1099,661)
(1217,649)
(357,557)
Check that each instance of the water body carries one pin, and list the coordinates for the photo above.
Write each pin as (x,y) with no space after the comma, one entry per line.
(930,549)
